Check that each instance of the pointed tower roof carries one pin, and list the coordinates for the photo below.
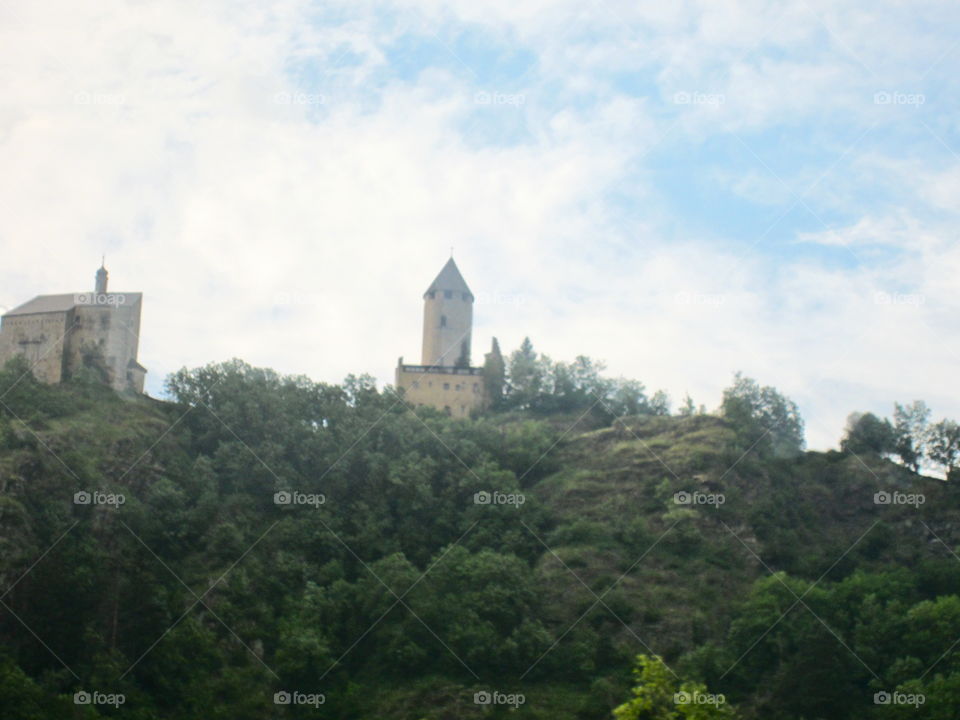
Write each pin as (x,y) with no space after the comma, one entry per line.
(449,278)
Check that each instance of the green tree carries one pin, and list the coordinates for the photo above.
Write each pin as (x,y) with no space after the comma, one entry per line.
(525,375)
(763,418)
(494,374)
(866,433)
(943,445)
(910,427)
(660,695)
(660,403)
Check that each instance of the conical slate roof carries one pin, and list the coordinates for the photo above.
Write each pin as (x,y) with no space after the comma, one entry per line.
(450,278)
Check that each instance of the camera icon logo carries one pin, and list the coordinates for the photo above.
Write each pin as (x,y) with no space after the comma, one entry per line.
(282,698)
(282,498)
(82,498)
(481,498)
(81,698)
(882,698)
(681,698)
(682,498)
(482,698)
(882,498)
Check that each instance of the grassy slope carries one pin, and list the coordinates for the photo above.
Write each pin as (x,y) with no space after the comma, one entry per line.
(668,575)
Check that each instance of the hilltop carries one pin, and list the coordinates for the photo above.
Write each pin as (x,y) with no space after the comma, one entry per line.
(389,586)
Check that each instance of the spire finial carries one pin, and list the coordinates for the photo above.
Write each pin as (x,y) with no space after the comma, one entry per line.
(451,251)
(101,286)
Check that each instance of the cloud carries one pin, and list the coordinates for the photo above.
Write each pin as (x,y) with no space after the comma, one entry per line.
(283,184)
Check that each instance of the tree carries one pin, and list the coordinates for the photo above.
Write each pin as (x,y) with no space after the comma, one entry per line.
(866,433)
(763,418)
(943,445)
(525,374)
(660,403)
(627,397)
(910,429)
(661,695)
(494,374)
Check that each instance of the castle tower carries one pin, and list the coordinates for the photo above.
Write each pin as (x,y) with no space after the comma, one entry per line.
(447,320)
(101,285)
(445,380)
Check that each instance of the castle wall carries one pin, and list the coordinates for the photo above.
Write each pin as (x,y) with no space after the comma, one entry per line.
(112,331)
(54,343)
(40,338)
(447,323)
(458,391)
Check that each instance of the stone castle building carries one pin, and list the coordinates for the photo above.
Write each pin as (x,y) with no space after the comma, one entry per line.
(445,378)
(60,334)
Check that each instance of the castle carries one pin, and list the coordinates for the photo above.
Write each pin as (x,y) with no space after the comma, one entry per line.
(445,379)
(60,334)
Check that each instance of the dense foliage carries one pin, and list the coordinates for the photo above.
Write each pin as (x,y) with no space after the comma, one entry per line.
(280,535)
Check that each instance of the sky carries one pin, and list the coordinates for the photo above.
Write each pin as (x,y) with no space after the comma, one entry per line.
(680,189)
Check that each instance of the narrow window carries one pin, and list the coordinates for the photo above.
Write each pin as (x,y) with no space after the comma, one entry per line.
(446,386)
(443,321)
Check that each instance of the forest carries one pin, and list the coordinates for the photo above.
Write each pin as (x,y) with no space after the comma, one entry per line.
(257,545)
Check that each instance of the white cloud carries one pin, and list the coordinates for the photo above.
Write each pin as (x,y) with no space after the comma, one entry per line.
(279,194)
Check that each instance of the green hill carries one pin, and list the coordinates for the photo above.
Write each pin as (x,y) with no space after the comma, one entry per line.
(390,589)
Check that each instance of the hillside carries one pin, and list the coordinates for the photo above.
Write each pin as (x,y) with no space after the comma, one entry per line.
(387,588)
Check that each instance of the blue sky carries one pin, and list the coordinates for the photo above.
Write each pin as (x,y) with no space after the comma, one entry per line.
(683,190)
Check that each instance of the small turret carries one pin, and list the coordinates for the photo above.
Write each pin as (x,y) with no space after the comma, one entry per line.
(101,286)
